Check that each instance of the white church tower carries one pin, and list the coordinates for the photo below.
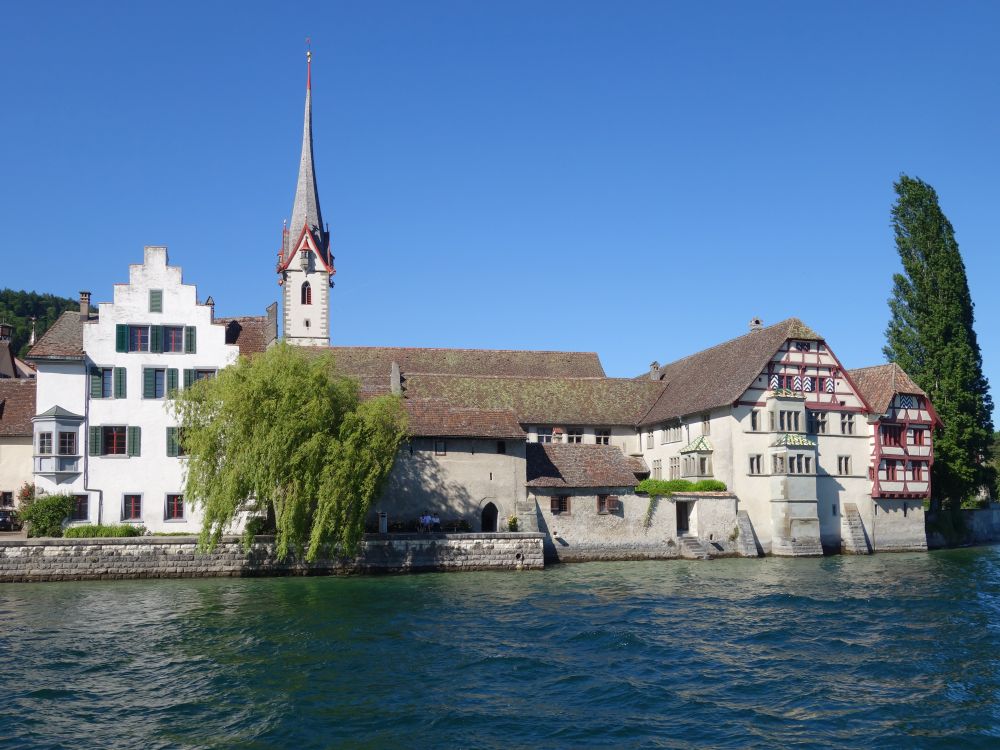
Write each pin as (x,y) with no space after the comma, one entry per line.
(305,264)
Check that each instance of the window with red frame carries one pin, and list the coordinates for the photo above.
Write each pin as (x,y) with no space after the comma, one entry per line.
(173,338)
(81,508)
(175,507)
(891,435)
(891,471)
(918,436)
(138,338)
(307,294)
(113,441)
(917,467)
(132,510)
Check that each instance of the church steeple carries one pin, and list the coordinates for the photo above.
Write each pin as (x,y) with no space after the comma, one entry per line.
(306,282)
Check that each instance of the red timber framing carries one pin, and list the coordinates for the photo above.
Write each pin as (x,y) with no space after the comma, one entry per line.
(887,425)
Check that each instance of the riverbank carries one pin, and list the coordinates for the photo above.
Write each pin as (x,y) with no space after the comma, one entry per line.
(26,560)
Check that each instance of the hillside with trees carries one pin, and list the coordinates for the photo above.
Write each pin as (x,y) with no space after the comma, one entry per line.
(18,307)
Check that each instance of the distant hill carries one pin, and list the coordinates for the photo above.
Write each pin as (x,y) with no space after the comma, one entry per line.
(17,307)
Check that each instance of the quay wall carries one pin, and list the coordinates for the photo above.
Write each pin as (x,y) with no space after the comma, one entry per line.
(979,526)
(178,557)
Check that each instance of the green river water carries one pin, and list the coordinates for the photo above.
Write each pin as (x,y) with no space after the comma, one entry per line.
(883,651)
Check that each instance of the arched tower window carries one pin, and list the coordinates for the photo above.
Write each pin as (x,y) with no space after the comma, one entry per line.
(307,294)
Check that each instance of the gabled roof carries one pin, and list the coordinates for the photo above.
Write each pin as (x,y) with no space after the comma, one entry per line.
(880,383)
(440,419)
(377,361)
(17,406)
(578,465)
(700,444)
(718,376)
(64,340)
(555,401)
(793,439)
(58,411)
(249,332)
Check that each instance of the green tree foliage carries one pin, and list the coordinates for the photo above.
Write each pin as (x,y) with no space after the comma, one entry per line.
(44,514)
(666,487)
(283,435)
(930,335)
(17,309)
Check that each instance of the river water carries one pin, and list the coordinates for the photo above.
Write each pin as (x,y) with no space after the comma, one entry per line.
(886,651)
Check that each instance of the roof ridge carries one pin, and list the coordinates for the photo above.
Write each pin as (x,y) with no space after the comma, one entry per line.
(461,349)
(410,373)
(786,322)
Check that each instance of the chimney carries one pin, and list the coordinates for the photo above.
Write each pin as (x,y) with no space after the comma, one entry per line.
(756,323)
(211,308)
(84,305)
(654,370)
(395,381)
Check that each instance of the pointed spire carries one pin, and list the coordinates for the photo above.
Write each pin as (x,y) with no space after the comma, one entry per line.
(306,210)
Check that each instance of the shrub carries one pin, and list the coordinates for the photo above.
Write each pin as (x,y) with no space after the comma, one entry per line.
(26,494)
(45,514)
(512,523)
(95,530)
(710,485)
(667,487)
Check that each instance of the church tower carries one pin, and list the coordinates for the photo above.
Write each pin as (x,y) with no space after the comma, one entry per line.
(305,264)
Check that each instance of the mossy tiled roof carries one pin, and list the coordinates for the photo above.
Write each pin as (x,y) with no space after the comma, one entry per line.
(793,439)
(576,465)
(377,361)
(700,444)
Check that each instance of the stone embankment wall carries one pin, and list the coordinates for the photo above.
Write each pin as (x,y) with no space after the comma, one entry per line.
(981,526)
(178,557)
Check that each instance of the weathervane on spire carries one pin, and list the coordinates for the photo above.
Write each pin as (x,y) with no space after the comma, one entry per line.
(309,59)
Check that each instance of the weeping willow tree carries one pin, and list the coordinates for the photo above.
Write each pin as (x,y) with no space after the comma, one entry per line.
(283,436)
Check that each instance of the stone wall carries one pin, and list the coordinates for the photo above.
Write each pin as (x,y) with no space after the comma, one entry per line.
(177,557)
(980,526)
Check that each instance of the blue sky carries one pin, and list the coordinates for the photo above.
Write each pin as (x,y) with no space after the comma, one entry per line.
(633,178)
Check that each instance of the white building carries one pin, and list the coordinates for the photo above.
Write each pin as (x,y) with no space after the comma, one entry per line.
(104,431)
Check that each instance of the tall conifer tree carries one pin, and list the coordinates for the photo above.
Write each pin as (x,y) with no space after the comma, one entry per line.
(930,335)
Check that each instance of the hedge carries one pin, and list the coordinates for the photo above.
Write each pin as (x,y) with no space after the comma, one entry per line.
(93,530)
(667,487)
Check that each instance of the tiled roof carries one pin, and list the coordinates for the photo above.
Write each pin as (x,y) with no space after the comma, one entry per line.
(718,376)
(557,401)
(64,340)
(578,465)
(638,466)
(880,383)
(377,360)
(439,419)
(17,406)
(698,445)
(249,332)
(8,365)
(793,439)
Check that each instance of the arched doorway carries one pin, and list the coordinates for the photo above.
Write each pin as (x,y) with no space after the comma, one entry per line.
(489,518)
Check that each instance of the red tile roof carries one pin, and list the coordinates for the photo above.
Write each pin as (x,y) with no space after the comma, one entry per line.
(880,383)
(64,340)
(17,406)
(718,376)
(578,465)
(439,419)
(249,332)
(377,360)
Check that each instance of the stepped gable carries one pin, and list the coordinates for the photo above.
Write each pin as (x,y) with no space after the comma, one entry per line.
(377,360)
(880,383)
(440,419)
(578,465)
(719,376)
(64,340)
(543,400)
(249,332)
(17,406)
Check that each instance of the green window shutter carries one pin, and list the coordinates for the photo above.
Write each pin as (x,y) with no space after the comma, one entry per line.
(134,436)
(156,339)
(188,378)
(95,441)
(171,380)
(148,382)
(156,300)
(121,338)
(96,382)
(171,441)
(191,340)
(121,391)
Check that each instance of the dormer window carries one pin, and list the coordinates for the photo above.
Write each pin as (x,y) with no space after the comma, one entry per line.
(307,295)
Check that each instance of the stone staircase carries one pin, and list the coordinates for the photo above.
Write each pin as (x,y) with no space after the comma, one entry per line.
(854,541)
(692,548)
(746,542)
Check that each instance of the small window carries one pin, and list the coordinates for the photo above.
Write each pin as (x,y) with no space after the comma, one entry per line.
(834,509)
(501,446)
(101,382)
(755,464)
(45,443)
(156,300)
(891,435)
(817,422)
(440,448)
(777,464)
(847,424)
(917,468)
(788,421)
(703,466)
(755,420)
(905,509)
(132,508)
(574,435)
(204,375)
(673,432)
(649,440)
(844,466)
(67,443)
(675,467)
(544,434)
(81,508)
(6,499)
(175,508)
(559,504)
(807,467)
(706,424)
(657,469)
(154,382)
(138,338)
(306,294)
(602,504)
(173,339)
(602,437)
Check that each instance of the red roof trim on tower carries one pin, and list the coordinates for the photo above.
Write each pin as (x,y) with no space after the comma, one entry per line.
(307,240)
